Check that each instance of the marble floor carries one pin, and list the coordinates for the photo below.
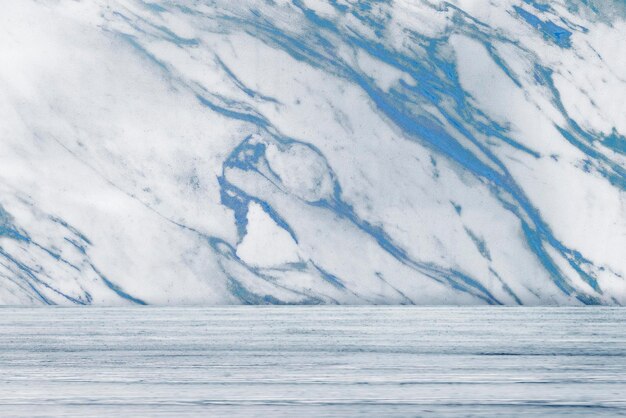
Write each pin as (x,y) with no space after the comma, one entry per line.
(312,361)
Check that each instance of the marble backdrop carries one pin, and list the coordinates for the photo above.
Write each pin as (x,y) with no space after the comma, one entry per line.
(309,151)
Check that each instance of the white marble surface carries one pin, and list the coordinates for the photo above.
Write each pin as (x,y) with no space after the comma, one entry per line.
(257,151)
(312,361)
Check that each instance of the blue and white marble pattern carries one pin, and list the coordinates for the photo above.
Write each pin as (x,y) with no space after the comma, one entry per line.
(313,151)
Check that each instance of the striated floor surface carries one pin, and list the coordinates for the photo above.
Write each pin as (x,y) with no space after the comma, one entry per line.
(312,361)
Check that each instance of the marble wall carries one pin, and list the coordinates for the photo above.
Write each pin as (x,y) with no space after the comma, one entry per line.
(308,151)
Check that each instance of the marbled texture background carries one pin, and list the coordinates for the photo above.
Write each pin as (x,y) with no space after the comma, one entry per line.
(305,151)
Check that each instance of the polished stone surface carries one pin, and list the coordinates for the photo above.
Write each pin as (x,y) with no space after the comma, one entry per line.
(431,152)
